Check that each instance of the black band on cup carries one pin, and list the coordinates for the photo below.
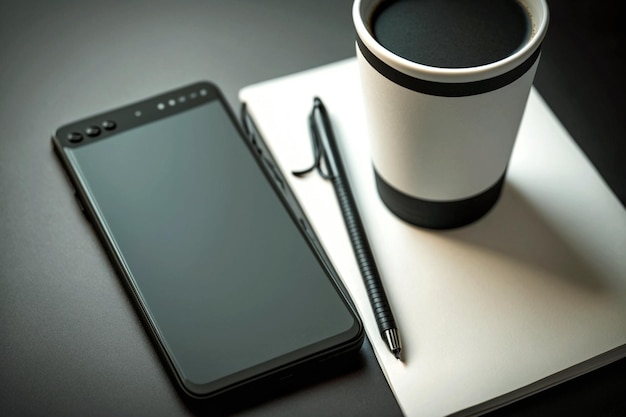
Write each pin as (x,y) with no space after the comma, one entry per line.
(435,88)
(438,214)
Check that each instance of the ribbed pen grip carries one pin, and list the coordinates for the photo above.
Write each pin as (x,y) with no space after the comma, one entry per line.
(364,256)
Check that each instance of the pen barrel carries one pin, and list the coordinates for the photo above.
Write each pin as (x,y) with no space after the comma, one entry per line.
(364,256)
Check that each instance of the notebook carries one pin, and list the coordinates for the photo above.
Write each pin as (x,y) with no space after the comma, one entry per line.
(532,294)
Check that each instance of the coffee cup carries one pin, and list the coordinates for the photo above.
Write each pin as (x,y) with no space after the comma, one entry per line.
(445,85)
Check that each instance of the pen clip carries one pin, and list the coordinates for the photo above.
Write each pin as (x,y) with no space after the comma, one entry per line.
(320,156)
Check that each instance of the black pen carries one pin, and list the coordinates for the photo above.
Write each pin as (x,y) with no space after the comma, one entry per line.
(325,149)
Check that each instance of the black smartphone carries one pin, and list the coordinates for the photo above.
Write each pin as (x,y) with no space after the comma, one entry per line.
(217,255)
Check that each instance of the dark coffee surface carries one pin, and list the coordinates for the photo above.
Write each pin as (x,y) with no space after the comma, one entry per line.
(451,33)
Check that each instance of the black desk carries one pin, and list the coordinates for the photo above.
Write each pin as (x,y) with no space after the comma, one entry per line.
(70,341)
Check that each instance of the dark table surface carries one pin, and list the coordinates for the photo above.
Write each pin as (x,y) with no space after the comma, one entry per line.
(71,343)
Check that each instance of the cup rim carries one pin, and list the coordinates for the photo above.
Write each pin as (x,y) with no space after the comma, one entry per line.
(454,75)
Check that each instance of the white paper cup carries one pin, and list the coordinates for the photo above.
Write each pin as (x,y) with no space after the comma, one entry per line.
(441,138)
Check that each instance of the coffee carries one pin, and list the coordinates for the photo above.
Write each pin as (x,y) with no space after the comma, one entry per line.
(451,33)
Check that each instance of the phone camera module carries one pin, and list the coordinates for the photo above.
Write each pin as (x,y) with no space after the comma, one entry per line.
(109,125)
(74,137)
(92,131)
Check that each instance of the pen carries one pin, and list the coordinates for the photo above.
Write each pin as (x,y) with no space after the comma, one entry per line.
(326,149)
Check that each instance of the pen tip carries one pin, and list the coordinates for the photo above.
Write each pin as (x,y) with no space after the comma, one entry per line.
(393,342)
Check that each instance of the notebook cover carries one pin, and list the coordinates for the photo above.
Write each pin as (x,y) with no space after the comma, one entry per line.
(532,294)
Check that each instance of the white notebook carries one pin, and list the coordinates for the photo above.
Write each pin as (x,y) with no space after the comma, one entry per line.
(532,294)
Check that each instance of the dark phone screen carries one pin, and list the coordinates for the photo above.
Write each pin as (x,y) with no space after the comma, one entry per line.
(221,267)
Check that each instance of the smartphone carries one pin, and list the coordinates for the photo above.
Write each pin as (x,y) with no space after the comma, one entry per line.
(217,255)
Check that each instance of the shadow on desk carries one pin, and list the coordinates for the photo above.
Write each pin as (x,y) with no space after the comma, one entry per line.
(265,391)
(598,393)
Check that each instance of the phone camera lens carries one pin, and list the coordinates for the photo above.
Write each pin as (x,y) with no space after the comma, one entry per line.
(108,125)
(92,131)
(74,137)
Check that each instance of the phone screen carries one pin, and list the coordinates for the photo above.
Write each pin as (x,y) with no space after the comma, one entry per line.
(230,284)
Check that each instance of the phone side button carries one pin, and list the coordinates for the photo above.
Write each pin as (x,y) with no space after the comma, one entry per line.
(274,173)
(308,231)
(81,206)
